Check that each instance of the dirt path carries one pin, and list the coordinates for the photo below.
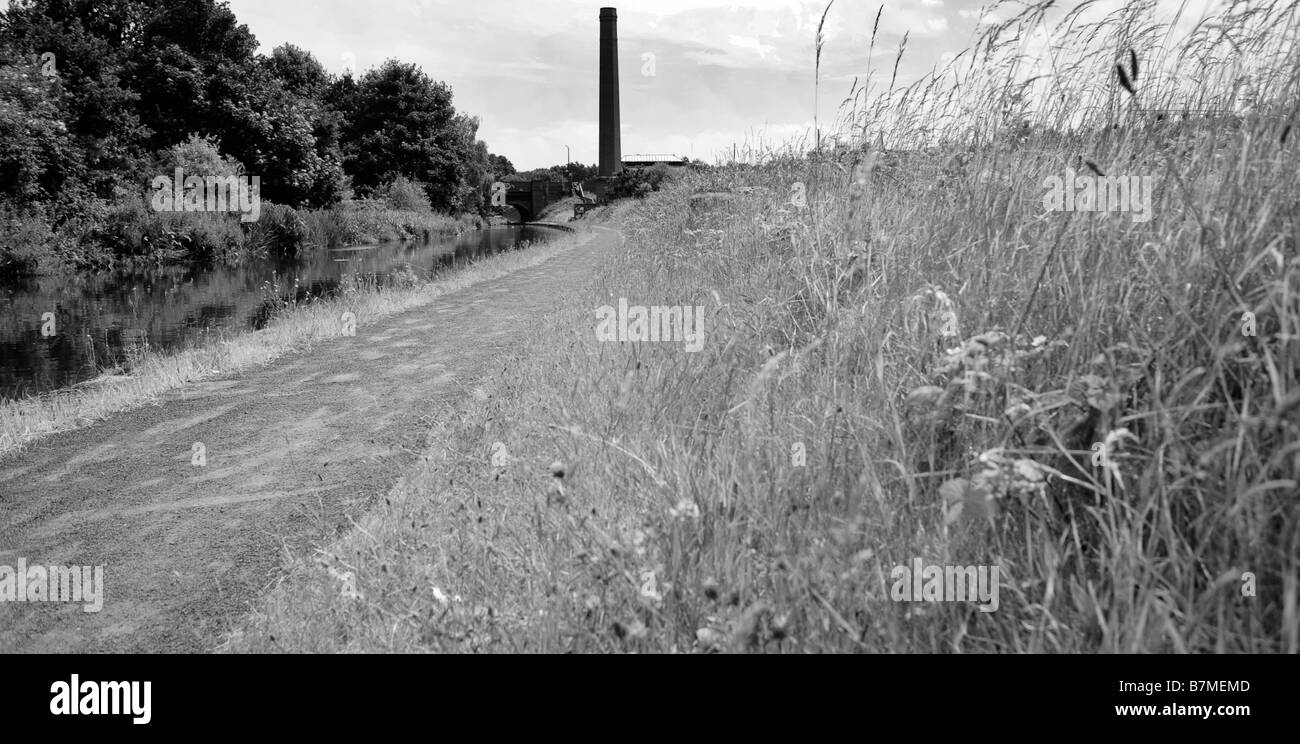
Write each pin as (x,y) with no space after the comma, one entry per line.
(293,449)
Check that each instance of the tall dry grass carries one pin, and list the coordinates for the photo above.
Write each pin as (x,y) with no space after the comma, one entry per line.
(949,357)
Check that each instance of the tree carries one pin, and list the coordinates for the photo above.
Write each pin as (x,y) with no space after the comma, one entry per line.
(304,78)
(38,155)
(197,155)
(577,171)
(473,168)
(400,122)
(134,78)
(538,174)
(500,166)
(193,60)
(90,44)
(640,182)
(299,71)
(287,140)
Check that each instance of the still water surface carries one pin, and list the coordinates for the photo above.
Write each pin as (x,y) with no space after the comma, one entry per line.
(100,319)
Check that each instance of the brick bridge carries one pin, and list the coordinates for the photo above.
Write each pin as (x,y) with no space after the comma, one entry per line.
(530,198)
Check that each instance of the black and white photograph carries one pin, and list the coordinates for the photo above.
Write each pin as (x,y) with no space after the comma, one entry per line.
(946,328)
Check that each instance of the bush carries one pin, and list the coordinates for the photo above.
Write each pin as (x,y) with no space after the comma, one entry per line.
(404,194)
(133,229)
(197,156)
(25,238)
(640,182)
(38,155)
(279,228)
(372,221)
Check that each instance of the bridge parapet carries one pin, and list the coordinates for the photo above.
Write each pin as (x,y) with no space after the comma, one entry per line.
(531,197)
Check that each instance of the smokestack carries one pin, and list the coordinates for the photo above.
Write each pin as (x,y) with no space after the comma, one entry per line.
(611,147)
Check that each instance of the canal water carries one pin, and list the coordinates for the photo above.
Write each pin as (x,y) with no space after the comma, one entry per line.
(100,320)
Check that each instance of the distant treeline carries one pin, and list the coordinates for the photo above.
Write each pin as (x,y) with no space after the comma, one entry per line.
(97,99)
(630,182)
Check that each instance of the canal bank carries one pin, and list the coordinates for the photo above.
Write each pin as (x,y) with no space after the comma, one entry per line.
(355,299)
(291,453)
(62,330)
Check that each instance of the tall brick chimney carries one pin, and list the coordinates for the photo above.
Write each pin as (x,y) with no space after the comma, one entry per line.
(611,147)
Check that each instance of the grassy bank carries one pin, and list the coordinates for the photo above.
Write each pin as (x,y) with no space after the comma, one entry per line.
(294,327)
(131,233)
(369,221)
(920,363)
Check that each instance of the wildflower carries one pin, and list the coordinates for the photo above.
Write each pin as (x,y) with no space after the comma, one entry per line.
(924,395)
(1098,392)
(780,627)
(636,629)
(990,339)
(500,455)
(685,509)
(1029,477)
(940,318)
(638,542)
(972,499)
(348,590)
(708,639)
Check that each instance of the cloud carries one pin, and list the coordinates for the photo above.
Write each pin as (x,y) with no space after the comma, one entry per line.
(528,68)
(754,44)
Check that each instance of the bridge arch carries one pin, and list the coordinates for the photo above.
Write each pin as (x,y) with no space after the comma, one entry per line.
(529,198)
(521,206)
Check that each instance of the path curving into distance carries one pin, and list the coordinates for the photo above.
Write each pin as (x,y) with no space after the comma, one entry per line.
(292,450)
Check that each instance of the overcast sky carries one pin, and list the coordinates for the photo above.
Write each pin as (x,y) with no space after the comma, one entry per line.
(723,72)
